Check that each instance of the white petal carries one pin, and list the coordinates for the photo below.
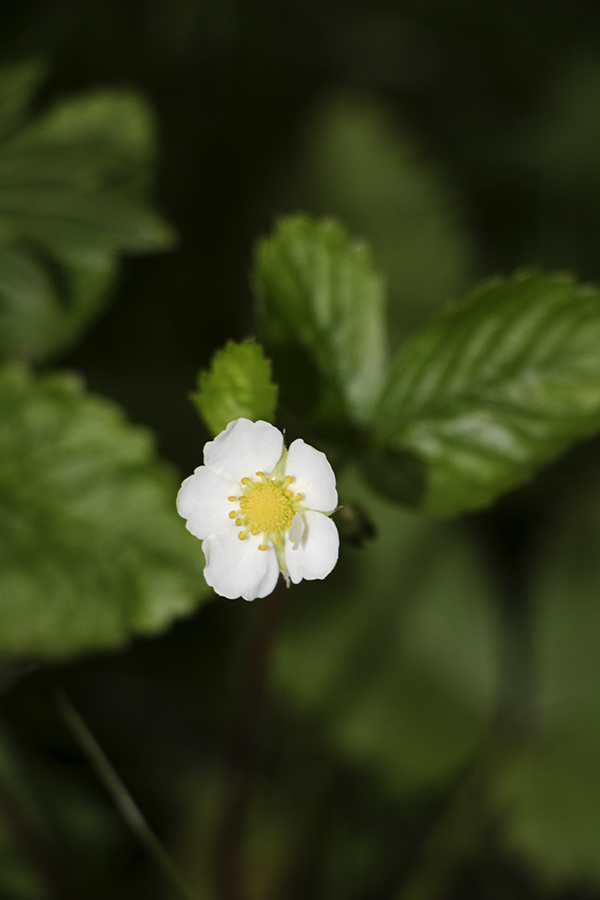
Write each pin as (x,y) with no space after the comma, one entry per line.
(313,477)
(243,449)
(296,531)
(318,550)
(237,568)
(202,500)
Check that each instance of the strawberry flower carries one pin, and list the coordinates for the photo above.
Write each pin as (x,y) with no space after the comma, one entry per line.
(261,509)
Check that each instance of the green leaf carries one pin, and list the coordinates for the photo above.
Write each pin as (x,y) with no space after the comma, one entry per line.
(72,199)
(70,180)
(238,384)
(92,549)
(319,293)
(495,387)
(18,84)
(44,307)
(396,658)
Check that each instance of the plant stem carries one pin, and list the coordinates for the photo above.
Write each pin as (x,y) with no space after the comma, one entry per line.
(239,763)
(30,845)
(122,798)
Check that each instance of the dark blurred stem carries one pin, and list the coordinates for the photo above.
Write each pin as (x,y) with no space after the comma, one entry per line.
(506,537)
(239,764)
(30,845)
(123,800)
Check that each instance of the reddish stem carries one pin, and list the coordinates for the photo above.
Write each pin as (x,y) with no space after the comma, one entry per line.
(239,764)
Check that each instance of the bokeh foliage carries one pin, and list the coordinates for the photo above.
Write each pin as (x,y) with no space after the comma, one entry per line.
(434,720)
(92,550)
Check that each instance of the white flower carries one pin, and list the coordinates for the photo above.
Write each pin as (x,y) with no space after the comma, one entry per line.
(260,509)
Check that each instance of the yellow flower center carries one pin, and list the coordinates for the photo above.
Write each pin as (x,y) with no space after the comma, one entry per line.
(267,507)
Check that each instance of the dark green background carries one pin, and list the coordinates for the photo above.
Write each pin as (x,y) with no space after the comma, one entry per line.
(502,103)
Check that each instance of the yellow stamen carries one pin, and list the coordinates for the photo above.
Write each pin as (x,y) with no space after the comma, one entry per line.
(232,514)
(233,499)
(267,507)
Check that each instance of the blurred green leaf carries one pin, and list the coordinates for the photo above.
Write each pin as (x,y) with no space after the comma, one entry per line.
(547,786)
(238,384)
(69,180)
(18,84)
(495,387)
(43,306)
(361,164)
(395,655)
(92,549)
(318,291)
(72,185)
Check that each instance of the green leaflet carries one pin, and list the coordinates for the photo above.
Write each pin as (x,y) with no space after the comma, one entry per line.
(237,385)
(319,294)
(92,548)
(495,387)
(72,199)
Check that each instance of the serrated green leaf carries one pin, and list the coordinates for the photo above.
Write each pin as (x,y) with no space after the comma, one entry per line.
(319,292)
(71,179)
(238,385)
(92,549)
(18,83)
(495,387)
(395,657)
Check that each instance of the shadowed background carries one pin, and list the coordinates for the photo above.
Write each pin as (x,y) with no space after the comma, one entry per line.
(461,140)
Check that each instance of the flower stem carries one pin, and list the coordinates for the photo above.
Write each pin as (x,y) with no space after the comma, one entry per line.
(122,799)
(239,763)
(31,845)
